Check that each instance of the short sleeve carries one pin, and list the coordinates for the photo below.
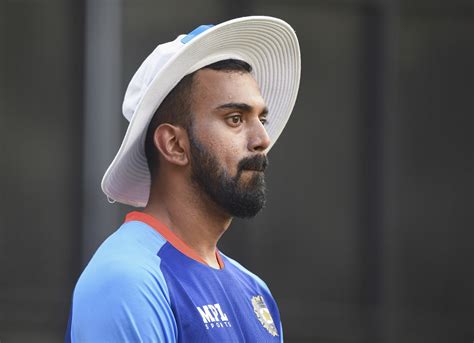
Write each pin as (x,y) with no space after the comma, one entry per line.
(122,303)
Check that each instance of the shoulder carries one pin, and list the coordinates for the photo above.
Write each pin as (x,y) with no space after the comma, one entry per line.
(121,286)
(127,258)
(122,280)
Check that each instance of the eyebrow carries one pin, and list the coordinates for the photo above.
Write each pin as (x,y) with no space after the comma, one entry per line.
(241,106)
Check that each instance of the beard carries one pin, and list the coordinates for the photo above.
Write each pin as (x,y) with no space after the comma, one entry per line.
(237,197)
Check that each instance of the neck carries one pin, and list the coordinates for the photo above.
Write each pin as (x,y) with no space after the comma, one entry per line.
(191,215)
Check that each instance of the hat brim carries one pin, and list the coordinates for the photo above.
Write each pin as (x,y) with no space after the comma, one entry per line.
(268,44)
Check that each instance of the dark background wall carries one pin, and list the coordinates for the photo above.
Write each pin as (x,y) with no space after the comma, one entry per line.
(368,231)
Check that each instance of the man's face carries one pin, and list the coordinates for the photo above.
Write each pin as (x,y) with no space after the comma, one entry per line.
(228,140)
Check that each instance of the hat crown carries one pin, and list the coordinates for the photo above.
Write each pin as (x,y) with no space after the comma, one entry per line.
(145,74)
(150,68)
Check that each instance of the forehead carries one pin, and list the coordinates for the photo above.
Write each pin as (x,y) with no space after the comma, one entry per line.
(212,88)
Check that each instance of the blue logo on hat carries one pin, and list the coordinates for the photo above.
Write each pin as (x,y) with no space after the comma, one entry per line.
(195,32)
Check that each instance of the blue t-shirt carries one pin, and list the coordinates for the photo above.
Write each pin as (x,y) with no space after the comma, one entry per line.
(145,285)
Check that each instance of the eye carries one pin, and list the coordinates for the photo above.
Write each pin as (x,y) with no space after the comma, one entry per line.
(264,120)
(235,120)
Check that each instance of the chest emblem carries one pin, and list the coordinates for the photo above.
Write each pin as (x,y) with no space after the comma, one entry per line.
(263,315)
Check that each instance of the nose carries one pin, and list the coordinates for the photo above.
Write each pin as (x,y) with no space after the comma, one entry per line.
(258,140)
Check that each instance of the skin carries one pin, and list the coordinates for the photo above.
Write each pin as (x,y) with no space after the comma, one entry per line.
(229,117)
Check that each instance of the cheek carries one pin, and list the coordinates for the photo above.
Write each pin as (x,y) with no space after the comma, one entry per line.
(227,151)
(232,159)
(226,144)
(228,154)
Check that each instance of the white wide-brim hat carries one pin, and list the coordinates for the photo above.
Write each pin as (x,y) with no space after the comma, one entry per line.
(268,44)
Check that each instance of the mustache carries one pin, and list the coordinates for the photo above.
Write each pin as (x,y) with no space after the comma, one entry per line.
(257,162)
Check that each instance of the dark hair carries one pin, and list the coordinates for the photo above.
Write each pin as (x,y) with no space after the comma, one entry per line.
(176,107)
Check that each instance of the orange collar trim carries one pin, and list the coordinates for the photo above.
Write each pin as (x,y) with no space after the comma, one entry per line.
(169,235)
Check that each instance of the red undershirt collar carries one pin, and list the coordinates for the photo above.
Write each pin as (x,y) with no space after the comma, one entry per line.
(170,236)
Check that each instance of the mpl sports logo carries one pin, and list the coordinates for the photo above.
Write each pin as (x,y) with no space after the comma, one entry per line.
(213,316)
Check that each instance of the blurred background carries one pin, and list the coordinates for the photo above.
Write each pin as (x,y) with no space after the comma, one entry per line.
(368,232)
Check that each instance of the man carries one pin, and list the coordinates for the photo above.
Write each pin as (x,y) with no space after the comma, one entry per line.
(204,110)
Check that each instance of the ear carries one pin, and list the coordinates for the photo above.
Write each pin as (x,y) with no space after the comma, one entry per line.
(172,142)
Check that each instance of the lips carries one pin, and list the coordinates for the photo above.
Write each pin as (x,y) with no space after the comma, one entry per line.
(256,163)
